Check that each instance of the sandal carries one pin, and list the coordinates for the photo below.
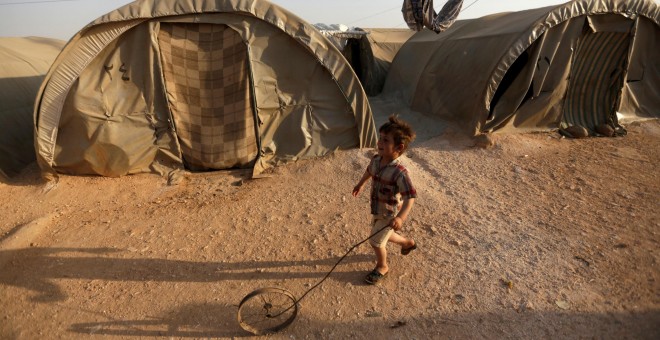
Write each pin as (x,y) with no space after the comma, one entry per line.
(406,251)
(374,277)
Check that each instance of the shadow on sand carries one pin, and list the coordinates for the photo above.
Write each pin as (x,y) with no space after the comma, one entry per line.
(188,321)
(36,268)
(219,321)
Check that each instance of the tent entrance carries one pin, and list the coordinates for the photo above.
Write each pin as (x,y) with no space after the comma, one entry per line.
(353,53)
(206,73)
(597,76)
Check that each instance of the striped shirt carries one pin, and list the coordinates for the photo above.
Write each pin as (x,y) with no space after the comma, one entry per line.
(391,184)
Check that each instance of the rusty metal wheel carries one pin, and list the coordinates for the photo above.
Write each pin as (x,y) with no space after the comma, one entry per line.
(267,310)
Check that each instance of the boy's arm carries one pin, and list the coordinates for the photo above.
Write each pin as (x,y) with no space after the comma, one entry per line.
(397,221)
(358,187)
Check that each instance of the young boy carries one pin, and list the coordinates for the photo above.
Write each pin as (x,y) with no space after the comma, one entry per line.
(392,194)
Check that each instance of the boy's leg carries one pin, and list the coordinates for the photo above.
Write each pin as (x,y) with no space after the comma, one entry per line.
(381,259)
(380,236)
(381,269)
(402,241)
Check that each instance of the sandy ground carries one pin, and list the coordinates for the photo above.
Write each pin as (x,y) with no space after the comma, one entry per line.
(535,237)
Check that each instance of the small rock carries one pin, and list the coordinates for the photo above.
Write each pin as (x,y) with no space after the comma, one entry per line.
(605,130)
(562,304)
(524,306)
(458,299)
(484,140)
(508,284)
(373,314)
(575,131)
(174,178)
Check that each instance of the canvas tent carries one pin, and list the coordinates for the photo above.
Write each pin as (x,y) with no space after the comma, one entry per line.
(23,66)
(371,55)
(370,51)
(157,85)
(581,63)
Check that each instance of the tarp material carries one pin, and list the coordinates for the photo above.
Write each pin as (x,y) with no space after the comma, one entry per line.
(522,71)
(371,55)
(147,88)
(370,51)
(24,63)
(339,33)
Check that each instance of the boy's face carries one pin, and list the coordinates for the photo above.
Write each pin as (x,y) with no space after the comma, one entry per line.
(387,148)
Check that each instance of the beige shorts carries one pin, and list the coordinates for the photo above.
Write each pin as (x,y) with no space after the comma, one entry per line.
(380,240)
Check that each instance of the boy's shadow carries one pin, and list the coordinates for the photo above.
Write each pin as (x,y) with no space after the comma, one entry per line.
(189,321)
(36,269)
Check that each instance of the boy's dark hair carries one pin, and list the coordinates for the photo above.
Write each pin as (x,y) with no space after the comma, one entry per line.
(401,131)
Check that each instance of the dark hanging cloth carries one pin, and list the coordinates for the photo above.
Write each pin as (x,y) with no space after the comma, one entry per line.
(420,13)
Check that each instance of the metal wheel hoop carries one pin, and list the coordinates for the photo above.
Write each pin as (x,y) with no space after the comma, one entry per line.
(267,310)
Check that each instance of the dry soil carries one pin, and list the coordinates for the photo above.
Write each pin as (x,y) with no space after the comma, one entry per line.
(535,237)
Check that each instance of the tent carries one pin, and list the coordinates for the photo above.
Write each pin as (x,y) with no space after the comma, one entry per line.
(370,51)
(371,55)
(23,66)
(583,63)
(161,85)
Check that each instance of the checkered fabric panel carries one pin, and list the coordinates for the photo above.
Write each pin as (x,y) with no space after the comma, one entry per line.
(205,67)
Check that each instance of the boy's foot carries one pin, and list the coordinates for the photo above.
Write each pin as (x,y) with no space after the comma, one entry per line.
(374,277)
(406,251)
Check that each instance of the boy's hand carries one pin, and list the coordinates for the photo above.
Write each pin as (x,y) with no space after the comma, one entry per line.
(356,190)
(396,223)
(358,187)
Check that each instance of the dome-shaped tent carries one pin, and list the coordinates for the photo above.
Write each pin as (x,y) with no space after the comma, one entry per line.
(205,84)
(580,63)
(24,63)
(371,55)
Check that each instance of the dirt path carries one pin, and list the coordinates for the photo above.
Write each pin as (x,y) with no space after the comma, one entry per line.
(535,237)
